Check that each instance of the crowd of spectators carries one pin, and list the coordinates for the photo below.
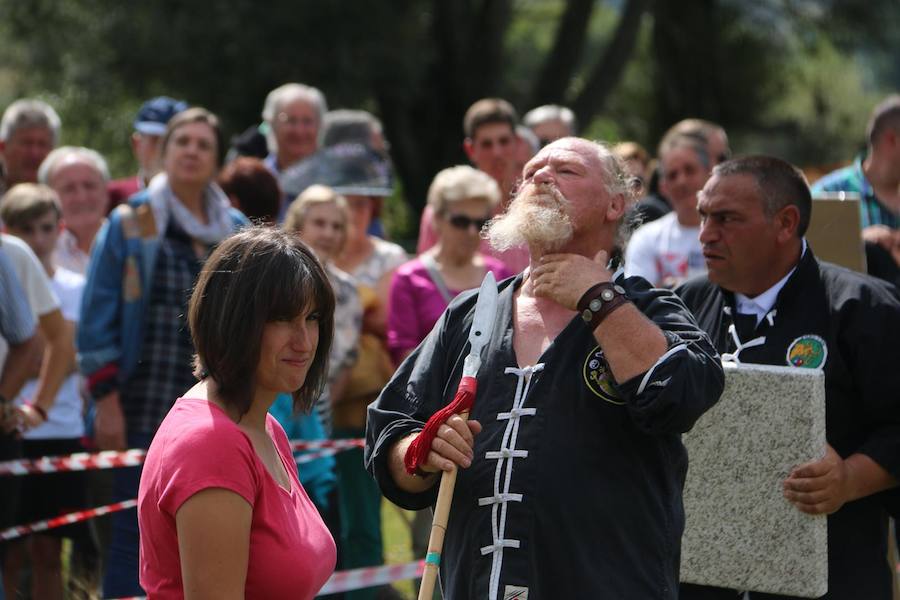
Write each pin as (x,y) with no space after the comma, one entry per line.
(103,270)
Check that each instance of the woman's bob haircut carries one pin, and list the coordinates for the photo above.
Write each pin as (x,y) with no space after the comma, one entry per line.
(258,275)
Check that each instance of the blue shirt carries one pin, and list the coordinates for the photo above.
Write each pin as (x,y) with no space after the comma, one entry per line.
(16,321)
(317,476)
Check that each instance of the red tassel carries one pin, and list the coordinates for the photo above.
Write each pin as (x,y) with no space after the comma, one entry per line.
(417,453)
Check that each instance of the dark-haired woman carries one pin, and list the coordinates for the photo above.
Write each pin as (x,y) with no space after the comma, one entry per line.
(252,189)
(222,513)
(134,348)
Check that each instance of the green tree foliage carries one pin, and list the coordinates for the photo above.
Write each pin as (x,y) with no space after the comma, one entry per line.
(782,75)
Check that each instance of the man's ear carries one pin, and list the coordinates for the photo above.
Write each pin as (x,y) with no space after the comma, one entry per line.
(616,208)
(468,147)
(788,220)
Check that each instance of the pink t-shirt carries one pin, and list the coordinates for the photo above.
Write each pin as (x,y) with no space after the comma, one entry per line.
(417,304)
(515,259)
(198,447)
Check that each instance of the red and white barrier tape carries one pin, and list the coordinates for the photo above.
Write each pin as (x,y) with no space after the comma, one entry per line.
(320,444)
(329,450)
(340,581)
(311,456)
(111,459)
(357,579)
(82,461)
(75,517)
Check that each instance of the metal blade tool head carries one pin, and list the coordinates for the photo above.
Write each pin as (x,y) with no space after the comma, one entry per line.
(482,324)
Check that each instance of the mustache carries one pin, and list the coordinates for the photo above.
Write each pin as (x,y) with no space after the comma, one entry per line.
(541,190)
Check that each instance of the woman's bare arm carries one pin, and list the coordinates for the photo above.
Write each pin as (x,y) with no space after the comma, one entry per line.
(214,544)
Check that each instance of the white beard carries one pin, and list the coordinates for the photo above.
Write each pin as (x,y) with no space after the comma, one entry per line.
(537,217)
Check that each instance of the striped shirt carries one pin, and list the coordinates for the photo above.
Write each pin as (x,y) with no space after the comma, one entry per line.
(852,179)
(165,370)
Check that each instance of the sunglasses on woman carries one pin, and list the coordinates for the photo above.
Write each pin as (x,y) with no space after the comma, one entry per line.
(464,222)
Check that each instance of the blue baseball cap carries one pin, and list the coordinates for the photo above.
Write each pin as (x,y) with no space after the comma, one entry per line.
(155,113)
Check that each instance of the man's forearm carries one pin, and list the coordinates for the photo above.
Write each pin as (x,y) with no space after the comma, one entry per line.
(631,342)
(405,481)
(18,366)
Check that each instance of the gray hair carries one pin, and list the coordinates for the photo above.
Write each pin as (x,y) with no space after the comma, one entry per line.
(529,137)
(284,95)
(460,183)
(693,143)
(615,176)
(617,181)
(343,125)
(551,112)
(27,113)
(779,183)
(699,129)
(80,154)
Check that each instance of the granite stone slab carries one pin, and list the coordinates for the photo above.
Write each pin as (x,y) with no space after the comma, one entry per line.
(740,532)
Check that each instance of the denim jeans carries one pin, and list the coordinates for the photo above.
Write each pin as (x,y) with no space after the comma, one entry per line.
(121,562)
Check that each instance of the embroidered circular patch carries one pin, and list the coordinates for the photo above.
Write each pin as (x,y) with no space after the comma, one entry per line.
(808,352)
(598,378)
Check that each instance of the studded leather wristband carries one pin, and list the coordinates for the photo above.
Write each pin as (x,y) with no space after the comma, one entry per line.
(599,301)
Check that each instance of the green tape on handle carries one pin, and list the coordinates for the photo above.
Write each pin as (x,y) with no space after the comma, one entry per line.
(433,558)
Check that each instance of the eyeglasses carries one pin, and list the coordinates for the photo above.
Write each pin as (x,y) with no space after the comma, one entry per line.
(464,222)
(292,121)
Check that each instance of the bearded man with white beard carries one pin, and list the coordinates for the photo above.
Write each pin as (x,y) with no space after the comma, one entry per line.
(571,466)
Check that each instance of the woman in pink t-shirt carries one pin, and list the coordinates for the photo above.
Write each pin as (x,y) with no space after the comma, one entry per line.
(462,200)
(221,511)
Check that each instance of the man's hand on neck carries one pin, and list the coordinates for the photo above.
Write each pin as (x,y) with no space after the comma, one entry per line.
(564,278)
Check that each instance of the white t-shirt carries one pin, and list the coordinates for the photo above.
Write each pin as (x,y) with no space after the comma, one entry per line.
(68,255)
(31,275)
(664,252)
(33,278)
(64,419)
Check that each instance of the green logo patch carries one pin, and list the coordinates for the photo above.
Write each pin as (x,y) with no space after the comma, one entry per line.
(807,352)
(598,378)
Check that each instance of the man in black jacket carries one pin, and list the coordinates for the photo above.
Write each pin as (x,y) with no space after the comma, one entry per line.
(572,488)
(767,300)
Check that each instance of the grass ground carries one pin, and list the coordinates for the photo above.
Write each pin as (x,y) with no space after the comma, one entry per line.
(395,524)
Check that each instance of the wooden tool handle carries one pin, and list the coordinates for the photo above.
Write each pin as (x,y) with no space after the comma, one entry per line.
(438,529)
